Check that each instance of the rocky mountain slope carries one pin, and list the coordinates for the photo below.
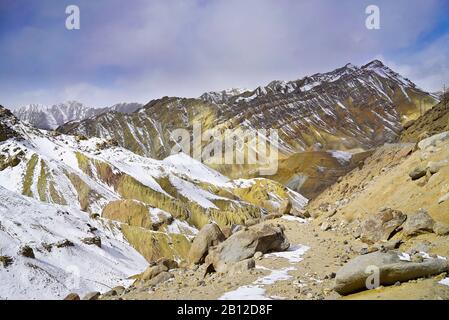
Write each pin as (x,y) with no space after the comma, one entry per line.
(351,107)
(389,213)
(156,206)
(434,121)
(51,117)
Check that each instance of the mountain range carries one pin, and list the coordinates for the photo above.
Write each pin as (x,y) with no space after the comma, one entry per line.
(100,190)
(51,117)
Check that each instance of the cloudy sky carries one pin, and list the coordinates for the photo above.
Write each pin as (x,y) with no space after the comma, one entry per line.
(144,49)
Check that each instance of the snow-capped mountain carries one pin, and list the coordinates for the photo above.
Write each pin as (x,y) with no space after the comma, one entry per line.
(51,117)
(89,205)
(350,107)
(222,96)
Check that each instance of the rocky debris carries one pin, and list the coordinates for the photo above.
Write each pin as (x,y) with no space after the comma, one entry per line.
(161,277)
(273,216)
(325,226)
(258,255)
(441,229)
(27,252)
(252,222)
(64,244)
(353,276)
(169,263)
(209,235)
(152,272)
(244,244)
(418,172)
(72,297)
(385,246)
(435,167)
(6,261)
(96,241)
(95,295)
(418,223)
(241,266)
(304,214)
(116,291)
(382,225)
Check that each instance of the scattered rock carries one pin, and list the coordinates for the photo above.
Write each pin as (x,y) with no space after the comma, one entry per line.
(418,172)
(382,225)
(241,266)
(161,277)
(435,167)
(441,229)
(152,272)
(169,263)
(273,216)
(352,277)
(433,140)
(27,252)
(6,261)
(96,241)
(258,255)
(418,223)
(92,296)
(325,226)
(72,297)
(244,244)
(119,290)
(64,243)
(252,222)
(209,235)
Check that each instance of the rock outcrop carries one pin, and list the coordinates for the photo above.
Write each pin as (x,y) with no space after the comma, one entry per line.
(210,235)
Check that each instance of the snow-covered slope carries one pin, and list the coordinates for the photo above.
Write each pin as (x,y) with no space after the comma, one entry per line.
(57,270)
(51,117)
(69,181)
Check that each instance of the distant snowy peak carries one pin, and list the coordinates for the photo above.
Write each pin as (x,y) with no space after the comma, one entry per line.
(222,96)
(349,72)
(51,117)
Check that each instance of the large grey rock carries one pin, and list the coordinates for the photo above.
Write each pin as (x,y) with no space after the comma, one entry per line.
(210,235)
(353,276)
(441,229)
(380,226)
(418,223)
(244,244)
(433,141)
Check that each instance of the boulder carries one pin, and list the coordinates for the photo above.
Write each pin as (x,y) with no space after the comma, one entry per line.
(353,276)
(433,141)
(72,297)
(241,266)
(435,167)
(418,223)
(418,172)
(210,235)
(381,226)
(244,244)
(152,272)
(92,296)
(441,229)
(95,241)
(169,263)
(161,277)
(27,252)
